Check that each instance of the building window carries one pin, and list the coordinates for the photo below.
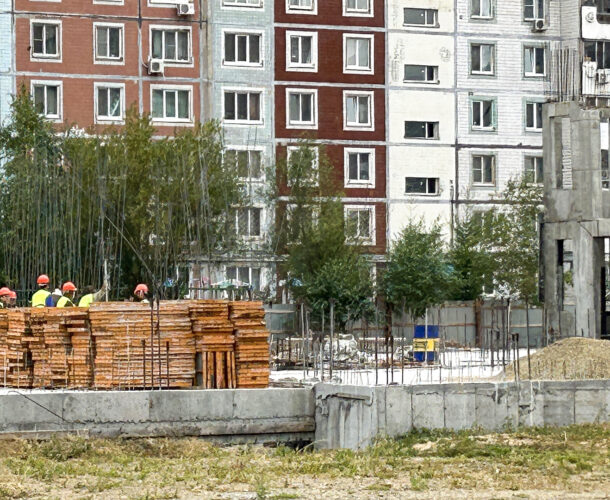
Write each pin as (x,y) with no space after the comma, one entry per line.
(242,49)
(421,130)
(302,6)
(360,224)
(358,8)
(421,73)
(248,222)
(533,116)
(47,99)
(301,51)
(171,104)
(598,52)
(421,17)
(533,169)
(242,3)
(422,185)
(302,108)
(171,45)
(244,274)
(108,43)
(358,112)
(304,165)
(247,162)
(109,102)
(46,40)
(533,9)
(242,106)
(481,9)
(359,167)
(483,114)
(483,169)
(533,61)
(482,58)
(357,54)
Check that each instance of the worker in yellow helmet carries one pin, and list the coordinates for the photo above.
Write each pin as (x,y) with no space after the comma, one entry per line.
(39,298)
(69,290)
(92,296)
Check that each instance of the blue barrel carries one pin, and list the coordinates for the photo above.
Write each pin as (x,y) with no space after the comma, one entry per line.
(420,332)
(420,355)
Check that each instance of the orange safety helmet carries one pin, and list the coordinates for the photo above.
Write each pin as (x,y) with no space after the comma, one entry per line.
(13,295)
(141,288)
(68,286)
(43,279)
(4,291)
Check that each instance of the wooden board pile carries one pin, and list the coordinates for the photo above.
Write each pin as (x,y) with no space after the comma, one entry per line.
(252,344)
(17,354)
(3,347)
(214,343)
(126,356)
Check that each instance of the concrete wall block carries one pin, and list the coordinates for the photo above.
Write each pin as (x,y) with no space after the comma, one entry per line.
(460,406)
(31,412)
(558,406)
(188,406)
(428,406)
(106,407)
(491,406)
(272,403)
(529,403)
(398,410)
(591,404)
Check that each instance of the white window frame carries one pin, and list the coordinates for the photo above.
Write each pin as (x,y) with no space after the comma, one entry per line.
(480,17)
(359,93)
(60,98)
(177,121)
(357,70)
(474,72)
(436,137)
(310,68)
(544,55)
(242,90)
(421,82)
(176,27)
(313,124)
(300,10)
(358,13)
(532,129)
(255,65)
(358,240)
(537,14)
(482,128)
(421,26)
(249,237)
(105,2)
(109,60)
(535,159)
(249,149)
(108,119)
(438,186)
(42,57)
(358,183)
(236,5)
(494,169)
(315,181)
(250,269)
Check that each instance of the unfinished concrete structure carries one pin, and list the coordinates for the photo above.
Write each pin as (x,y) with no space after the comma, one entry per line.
(576,227)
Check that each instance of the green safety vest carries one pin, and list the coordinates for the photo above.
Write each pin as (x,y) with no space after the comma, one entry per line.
(40,297)
(86,300)
(64,302)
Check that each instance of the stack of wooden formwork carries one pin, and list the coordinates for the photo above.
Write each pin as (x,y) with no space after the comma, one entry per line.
(252,344)
(134,348)
(18,357)
(3,348)
(214,343)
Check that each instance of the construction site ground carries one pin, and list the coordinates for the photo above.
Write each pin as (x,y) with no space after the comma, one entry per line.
(536,463)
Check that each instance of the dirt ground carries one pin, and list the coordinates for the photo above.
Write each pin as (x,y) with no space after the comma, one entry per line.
(545,463)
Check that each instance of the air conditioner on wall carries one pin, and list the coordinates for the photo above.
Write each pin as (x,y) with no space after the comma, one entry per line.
(155,67)
(539,25)
(602,77)
(185,9)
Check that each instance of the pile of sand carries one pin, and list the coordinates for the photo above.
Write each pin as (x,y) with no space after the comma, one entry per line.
(574,358)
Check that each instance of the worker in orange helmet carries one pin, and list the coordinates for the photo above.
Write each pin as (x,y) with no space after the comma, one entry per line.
(140,293)
(39,298)
(13,299)
(68,290)
(5,297)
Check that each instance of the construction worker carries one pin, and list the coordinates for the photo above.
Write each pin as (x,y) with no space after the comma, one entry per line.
(39,298)
(5,297)
(92,296)
(68,290)
(53,298)
(140,293)
(13,299)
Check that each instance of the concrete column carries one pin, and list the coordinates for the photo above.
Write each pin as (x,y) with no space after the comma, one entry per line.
(588,259)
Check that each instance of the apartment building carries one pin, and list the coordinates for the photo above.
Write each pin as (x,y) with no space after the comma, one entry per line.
(330,87)
(6,59)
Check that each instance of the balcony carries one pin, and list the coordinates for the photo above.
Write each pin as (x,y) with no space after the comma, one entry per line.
(595,26)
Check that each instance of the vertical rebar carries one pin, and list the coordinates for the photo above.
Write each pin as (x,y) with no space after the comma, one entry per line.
(332,332)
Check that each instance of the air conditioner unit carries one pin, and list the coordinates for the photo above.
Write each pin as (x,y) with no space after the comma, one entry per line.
(155,67)
(185,9)
(539,25)
(602,77)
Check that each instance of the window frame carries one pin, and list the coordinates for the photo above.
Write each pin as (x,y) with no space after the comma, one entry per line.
(437,130)
(421,26)
(358,70)
(170,121)
(108,120)
(527,102)
(241,64)
(536,47)
(481,128)
(313,125)
(492,10)
(359,183)
(237,267)
(473,72)
(535,10)
(371,209)
(427,194)
(249,208)
(534,157)
(304,11)
(482,183)
(60,98)
(236,5)
(315,180)
(305,68)
(248,149)
(173,28)
(359,93)
(120,61)
(359,13)
(244,90)
(436,80)
(43,57)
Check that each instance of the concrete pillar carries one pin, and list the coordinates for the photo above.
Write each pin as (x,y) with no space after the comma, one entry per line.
(588,259)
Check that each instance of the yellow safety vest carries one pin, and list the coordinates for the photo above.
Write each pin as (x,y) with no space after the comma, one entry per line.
(40,297)
(86,300)
(64,302)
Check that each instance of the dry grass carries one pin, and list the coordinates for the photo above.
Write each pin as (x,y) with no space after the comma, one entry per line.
(574,358)
(544,463)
